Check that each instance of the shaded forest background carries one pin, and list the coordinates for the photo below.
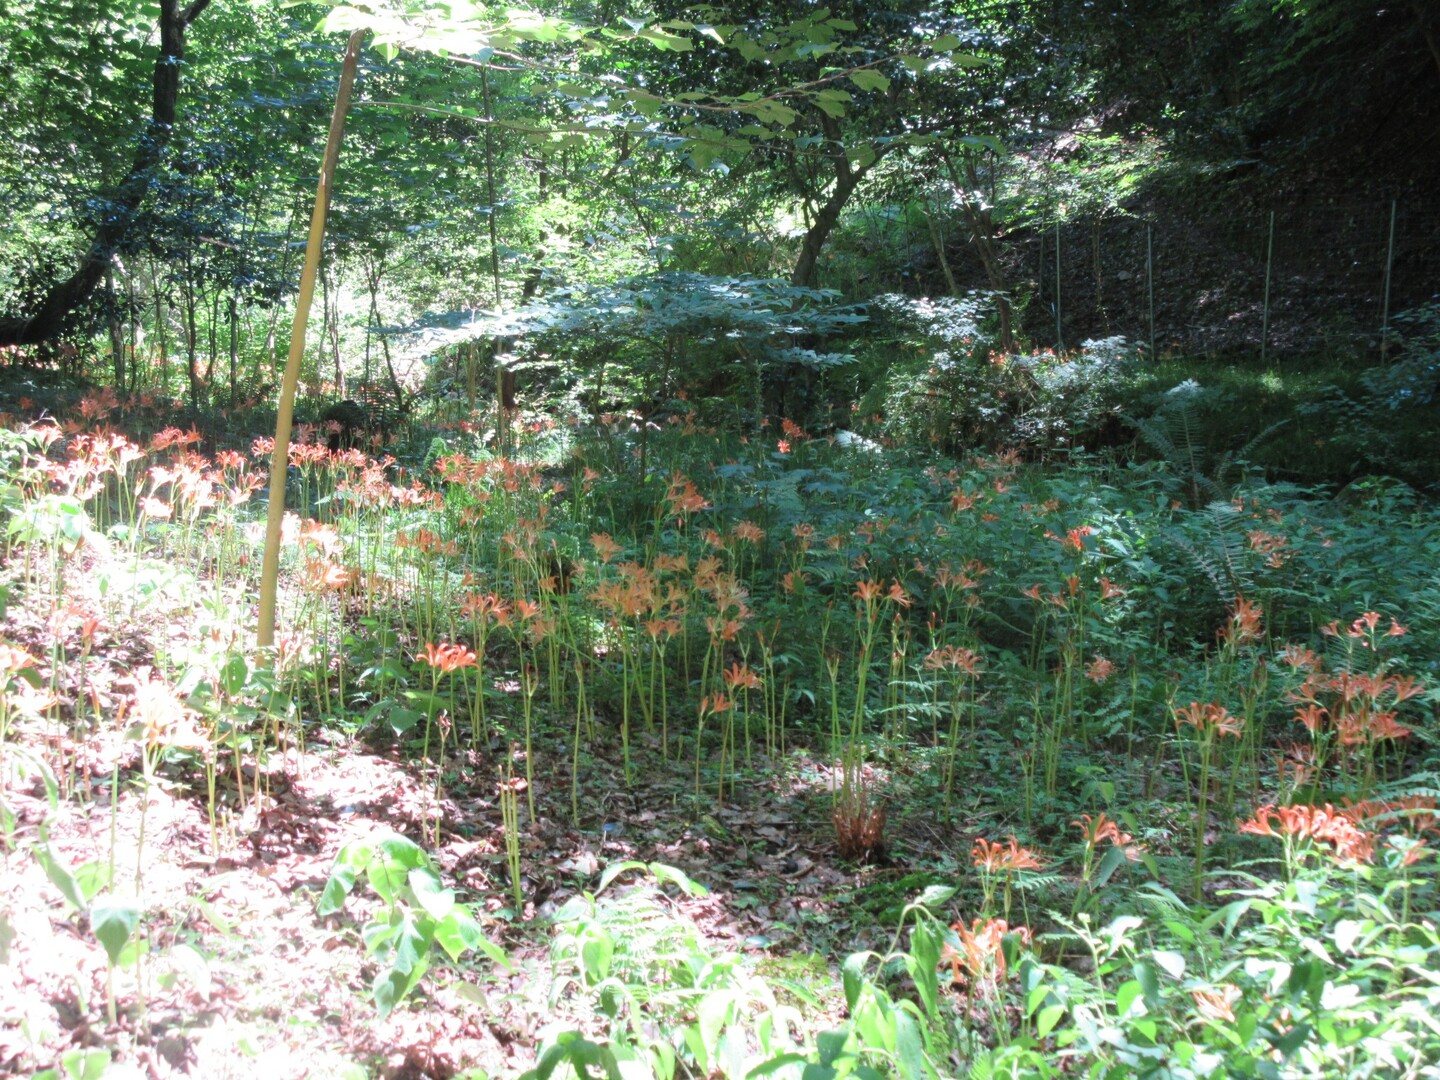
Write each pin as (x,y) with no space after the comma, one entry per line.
(1149,143)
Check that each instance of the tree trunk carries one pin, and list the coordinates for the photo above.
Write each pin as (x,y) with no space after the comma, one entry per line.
(117,334)
(939,241)
(234,320)
(160,332)
(847,180)
(51,315)
(982,234)
(823,225)
(192,346)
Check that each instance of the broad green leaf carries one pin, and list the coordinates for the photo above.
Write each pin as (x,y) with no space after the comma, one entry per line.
(1347,932)
(85,1064)
(1048,1018)
(337,888)
(458,932)
(112,924)
(831,1046)
(664,873)
(1230,915)
(386,878)
(1113,859)
(868,79)
(1149,982)
(61,877)
(470,992)
(431,893)
(1126,995)
(595,956)
(392,986)
(1291,1040)
(412,942)
(614,870)
(775,1064)
(713,1012)
(909,1047)
(934,896)
(1172,963)
(402,719)
(852,976)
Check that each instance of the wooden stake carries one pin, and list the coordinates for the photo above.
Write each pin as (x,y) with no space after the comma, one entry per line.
(285,411)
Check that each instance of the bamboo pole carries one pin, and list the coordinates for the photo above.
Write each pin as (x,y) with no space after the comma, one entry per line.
(285,412)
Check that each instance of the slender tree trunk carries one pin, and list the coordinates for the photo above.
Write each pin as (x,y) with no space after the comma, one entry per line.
(117,334)
(160,332)
(332,320)
(212,334)
(847,181)
(939,241)
(504,375)
(982,234)
(822,226)
(51,315)
(137,336)
(234,318)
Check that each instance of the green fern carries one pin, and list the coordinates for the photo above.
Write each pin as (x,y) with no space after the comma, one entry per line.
(1175,433)
(1220,553)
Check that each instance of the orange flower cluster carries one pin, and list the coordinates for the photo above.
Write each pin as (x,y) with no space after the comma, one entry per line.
(1244,624)
(741,676)
(1358,707)
(967,577)
(992,856)
(1217,1005)
(1099,670)
(1210,718)
(1313,823)
(981,955)
(448,658)
(426,542)
(1271,545)
(485,608)
(683,497)
(1073,540)
(953,656)
(1364,628)
(1094,830)
(164,718)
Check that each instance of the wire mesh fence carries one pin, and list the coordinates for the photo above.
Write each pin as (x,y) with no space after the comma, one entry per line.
(1325,275)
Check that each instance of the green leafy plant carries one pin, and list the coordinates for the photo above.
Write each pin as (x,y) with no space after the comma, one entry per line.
(1200,474)
(419,913)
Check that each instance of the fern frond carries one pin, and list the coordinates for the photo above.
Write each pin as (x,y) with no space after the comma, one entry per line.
(1221,555)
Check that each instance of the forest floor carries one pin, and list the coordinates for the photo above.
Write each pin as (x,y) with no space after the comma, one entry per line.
(241,977)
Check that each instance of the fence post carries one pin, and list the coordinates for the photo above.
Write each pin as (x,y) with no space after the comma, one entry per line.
(1385,303)
(1150,282)
(1265,318)
(1059,334)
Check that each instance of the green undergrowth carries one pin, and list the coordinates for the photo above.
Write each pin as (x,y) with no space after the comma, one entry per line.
(1130,768)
